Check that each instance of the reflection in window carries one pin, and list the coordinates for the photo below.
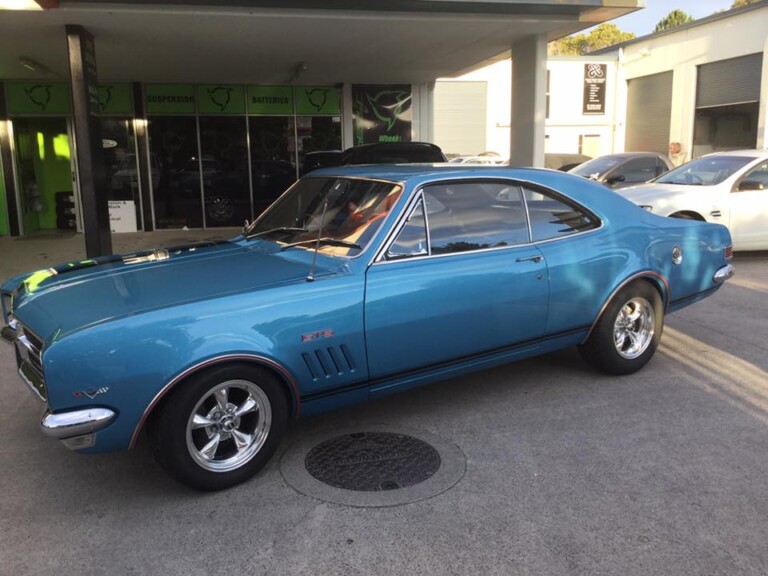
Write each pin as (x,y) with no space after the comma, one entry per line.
(319,140)
(175,172)
(554,217)
(412,239)
(272,158)
(226,187)
(120,164)
(474,216)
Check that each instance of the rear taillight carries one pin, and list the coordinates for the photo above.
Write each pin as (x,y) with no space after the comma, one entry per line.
(728,252)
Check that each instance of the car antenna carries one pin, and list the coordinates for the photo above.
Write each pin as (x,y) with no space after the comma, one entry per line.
(311,276)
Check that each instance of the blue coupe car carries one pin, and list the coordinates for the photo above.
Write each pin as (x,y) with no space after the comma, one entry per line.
(356,283)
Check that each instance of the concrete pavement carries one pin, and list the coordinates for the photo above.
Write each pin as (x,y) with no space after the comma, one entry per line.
(568,471)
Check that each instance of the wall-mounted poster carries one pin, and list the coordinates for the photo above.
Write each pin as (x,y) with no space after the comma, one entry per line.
(594,88)
(382,113)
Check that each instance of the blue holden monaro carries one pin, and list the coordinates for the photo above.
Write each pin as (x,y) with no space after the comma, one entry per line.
(356,283)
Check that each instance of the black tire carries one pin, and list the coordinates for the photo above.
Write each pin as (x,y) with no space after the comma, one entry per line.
(192,419)
(629,348)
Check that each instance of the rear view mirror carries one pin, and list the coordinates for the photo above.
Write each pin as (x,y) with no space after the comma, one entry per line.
(746,185)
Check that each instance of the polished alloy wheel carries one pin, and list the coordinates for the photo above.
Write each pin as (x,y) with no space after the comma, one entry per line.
(229,425)
(634,328)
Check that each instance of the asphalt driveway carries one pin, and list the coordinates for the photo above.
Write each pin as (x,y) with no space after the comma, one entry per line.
(566,471)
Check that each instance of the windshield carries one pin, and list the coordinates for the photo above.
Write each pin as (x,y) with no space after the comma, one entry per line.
(343,213)
(705,171)
(596,168)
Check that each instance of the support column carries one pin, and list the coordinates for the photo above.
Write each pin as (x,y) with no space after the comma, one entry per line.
(90,160)
(6,168)
(529,101)
(142,157)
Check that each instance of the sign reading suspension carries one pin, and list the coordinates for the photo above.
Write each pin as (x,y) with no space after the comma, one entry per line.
(594,88)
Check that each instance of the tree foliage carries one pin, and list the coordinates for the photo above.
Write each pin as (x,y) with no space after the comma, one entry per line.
(602,36)
(673,19)
(740,3)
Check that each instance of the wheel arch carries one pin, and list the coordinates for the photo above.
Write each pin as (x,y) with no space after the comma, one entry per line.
(281,373)
(688,215)
(656,280)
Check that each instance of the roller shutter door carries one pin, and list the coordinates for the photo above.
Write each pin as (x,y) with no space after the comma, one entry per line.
(460,117)
(732,81)
(649,108)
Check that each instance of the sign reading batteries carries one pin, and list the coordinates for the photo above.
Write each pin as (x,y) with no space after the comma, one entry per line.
(594,88)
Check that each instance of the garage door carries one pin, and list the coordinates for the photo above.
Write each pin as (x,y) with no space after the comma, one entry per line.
(732,81)
(649,108)
(460,121)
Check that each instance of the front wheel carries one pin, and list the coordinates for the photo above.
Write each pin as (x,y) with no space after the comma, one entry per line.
(220,427)
(628,332)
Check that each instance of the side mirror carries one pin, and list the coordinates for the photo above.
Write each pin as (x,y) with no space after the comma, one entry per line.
(746,185)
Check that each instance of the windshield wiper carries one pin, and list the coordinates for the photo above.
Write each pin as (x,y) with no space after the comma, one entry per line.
(326,240)
(280,229)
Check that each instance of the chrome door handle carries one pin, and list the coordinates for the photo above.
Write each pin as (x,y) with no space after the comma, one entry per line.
(530,259)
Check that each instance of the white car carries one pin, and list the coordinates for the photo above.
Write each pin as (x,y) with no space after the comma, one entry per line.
(729,188)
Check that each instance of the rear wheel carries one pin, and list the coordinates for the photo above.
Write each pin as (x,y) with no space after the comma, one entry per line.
(628,332)
(220,427)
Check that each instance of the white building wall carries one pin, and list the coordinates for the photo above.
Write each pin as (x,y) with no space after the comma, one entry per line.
(682,51)
(568,129)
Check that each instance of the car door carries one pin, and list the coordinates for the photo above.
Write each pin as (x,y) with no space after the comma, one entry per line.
(459,278)
(748,218)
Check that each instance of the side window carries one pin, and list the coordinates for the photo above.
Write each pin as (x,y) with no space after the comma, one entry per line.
(756,179)
(412,239)
(553,217)
(474,216)
(639,169)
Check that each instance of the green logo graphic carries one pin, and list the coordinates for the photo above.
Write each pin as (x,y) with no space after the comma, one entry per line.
(385,109)
(317,97)
(104,97)
(39,94)
(220,95)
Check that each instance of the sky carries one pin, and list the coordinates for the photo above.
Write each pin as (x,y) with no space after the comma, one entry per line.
(644,21)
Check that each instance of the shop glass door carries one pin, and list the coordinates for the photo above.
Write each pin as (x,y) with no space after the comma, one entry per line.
(273,158)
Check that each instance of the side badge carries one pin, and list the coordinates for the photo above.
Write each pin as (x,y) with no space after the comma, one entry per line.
(320,334)
(91,393)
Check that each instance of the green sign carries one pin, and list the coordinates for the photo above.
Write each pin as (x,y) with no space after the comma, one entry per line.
(170,98)
(38,98)
(318,100)
(270,100)
(115,99)
(220,99)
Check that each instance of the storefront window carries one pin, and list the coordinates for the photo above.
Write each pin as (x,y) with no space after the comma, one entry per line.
(120,163)
(175,169)
(272,158)
(319,140)
(226,187)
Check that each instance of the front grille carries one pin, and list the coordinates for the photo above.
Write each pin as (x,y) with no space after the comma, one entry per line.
(29,350)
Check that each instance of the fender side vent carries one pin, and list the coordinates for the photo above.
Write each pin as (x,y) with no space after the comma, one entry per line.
(328,362)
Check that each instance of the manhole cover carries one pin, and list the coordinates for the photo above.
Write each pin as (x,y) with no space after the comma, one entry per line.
(372,461)
(378,467)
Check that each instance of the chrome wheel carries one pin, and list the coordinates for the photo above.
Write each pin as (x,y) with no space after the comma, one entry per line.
(229,425)
(634,328)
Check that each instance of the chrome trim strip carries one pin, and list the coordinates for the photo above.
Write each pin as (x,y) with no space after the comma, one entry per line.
(380,255)
(251,357)
(723,274)
(75,423)
(632,278)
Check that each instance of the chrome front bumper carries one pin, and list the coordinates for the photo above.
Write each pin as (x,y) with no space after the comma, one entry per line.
(76,429)
(723,274)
